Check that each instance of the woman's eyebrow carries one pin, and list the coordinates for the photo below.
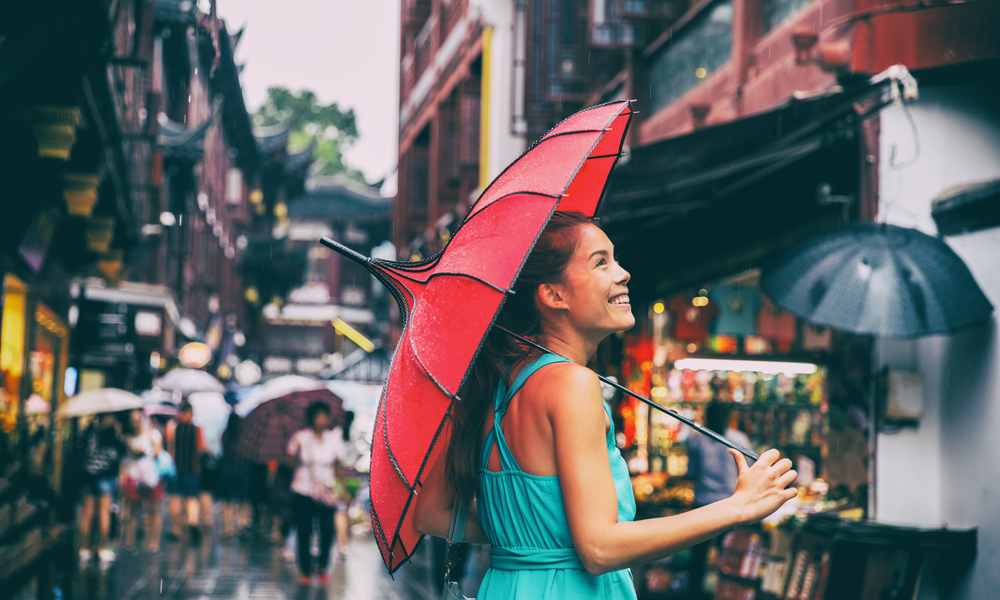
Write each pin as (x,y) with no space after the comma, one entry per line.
(596,252)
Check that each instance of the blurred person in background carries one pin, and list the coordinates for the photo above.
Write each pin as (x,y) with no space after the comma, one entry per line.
(711,467)
(317,453)
(234,481)
(209,488)
(143,486)
(185,444)
(349,476)
(102,449)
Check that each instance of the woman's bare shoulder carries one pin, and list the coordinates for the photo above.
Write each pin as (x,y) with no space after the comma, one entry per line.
(568,382)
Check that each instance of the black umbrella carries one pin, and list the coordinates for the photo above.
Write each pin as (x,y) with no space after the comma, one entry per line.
(877,279)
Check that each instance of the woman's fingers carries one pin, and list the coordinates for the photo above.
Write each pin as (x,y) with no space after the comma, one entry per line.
(741,461)
(768,458)
(783,465)
(787,478)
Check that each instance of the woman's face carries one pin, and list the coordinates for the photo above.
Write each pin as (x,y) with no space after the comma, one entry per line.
(321,420)
(135,417)
(595,289)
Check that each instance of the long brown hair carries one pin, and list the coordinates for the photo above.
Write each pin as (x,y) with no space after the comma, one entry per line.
(499,353)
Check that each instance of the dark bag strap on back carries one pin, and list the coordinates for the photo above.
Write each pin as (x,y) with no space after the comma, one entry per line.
(456,533)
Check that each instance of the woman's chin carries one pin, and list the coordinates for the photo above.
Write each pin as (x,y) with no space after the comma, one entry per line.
(623,322)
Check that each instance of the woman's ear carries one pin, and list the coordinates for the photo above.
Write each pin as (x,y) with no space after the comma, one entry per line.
(552,295)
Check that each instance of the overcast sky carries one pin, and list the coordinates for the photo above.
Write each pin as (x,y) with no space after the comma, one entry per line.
(345,51)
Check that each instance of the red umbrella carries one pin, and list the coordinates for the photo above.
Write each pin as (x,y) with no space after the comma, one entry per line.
(449,301)
(267,429)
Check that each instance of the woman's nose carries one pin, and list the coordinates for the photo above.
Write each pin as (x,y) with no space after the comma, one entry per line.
(623,277)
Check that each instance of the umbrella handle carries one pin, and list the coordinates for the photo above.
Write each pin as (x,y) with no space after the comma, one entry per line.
(673,413)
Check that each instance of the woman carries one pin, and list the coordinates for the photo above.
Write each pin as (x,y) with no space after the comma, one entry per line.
(234,477)
(316,452)
(102,450)
(186,445)
(532,454)
(143,488)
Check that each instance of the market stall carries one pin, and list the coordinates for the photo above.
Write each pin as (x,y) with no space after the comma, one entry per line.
(781,382)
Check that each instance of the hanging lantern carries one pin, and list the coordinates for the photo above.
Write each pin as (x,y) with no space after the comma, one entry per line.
(110,265)
(55,130)
(100,232)
(80,191)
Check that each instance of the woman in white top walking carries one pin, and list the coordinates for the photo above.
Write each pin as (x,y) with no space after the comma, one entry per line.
(317,453)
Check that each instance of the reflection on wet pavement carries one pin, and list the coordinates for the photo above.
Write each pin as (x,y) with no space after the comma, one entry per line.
(249,569)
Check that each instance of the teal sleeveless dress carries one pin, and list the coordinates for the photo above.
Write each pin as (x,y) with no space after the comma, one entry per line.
(532,554)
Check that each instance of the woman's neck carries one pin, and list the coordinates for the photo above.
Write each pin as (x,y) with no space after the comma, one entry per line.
(318,431)
(570,344)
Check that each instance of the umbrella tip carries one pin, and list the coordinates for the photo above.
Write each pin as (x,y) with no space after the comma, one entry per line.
(345,251)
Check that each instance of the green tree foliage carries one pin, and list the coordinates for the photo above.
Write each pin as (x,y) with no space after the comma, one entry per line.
(326,127)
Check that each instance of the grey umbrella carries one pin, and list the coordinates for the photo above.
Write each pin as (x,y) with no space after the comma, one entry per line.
(877,279)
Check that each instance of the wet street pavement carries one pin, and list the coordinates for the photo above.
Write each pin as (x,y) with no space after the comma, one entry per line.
(250,568)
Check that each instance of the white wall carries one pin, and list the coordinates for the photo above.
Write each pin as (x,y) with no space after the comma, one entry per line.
(947,472)
(503,145)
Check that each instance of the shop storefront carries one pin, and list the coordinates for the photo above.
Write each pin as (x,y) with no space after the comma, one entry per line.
(770,379)
(125,335)
(33,360)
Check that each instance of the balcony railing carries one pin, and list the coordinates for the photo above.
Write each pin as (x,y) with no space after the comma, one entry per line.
(414,14)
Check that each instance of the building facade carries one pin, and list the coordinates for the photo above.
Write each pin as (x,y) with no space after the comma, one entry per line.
(336,313)
(193,161)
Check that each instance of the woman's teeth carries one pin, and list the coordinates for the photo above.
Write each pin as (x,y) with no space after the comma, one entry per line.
(619,300)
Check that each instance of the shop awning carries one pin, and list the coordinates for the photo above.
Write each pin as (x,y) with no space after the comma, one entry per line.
(711,202)
(967,208)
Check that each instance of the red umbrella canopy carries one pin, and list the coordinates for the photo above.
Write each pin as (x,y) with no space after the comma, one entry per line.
(449,301)
(267,429)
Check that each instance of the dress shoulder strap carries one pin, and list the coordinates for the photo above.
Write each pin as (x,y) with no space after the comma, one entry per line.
(503,400)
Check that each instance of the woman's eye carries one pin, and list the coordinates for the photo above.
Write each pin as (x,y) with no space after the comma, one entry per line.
(601,262)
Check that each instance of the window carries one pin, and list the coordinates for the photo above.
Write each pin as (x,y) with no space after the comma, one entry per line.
(296,341)
(776,11)
(698,50)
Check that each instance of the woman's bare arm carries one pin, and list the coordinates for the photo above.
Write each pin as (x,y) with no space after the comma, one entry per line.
(577,415)
(435,502)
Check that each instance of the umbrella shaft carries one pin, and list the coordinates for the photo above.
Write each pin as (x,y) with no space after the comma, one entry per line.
(689,422)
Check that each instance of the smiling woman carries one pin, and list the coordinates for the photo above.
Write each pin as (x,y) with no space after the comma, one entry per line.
(532,448)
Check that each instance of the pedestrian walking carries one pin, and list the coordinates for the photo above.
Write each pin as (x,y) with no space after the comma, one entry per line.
(143,489)
(185,444)
(317,453)
(234,481)
(714,474)
(532,441)
(102,449)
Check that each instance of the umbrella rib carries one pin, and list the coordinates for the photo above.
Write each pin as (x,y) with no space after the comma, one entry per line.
(625,104)
(607,180)
(427,372)
(498,200)
(409,500)
(689,422)
(388,449)
(378,528)
(493,287)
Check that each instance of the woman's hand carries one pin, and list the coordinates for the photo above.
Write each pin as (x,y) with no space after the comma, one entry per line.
(760,489)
